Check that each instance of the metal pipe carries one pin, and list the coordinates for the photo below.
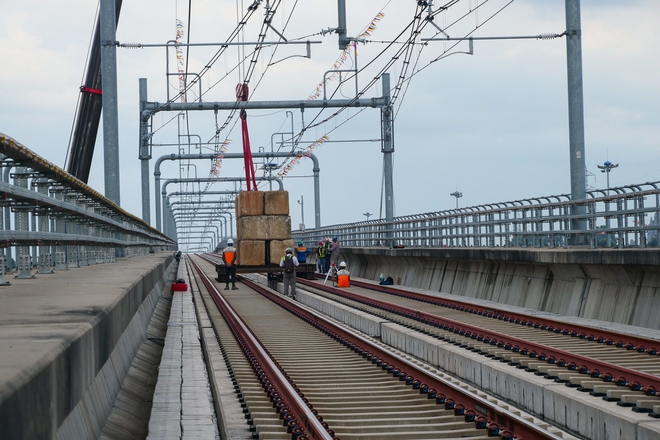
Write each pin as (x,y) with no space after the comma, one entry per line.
(227,43)
(252,105)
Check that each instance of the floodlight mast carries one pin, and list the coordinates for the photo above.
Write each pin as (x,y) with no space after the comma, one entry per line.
(606,168)
(458,195)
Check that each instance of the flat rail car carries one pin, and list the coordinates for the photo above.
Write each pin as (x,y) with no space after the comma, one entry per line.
(274,271)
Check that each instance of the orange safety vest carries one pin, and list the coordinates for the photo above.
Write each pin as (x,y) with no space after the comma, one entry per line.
(229,255)
(343,279)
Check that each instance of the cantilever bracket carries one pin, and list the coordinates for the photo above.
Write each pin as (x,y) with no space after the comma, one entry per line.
(277,32)
(429,18)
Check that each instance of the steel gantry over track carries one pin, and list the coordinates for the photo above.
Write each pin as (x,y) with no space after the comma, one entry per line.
(167,209)
(145,198)
(149,109)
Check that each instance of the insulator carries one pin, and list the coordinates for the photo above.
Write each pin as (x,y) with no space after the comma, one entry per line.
(132,45)
(548,36)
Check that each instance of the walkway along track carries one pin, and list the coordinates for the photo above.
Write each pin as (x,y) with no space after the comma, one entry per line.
(620,368)
(318,379)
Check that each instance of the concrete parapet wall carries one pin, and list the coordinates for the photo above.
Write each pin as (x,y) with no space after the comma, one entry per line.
(69,392)
(621,286)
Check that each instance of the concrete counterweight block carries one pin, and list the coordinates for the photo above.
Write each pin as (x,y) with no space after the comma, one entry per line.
(251,252)
(276,202)
(278,249)
(265,227)
(279,227)
(249,203)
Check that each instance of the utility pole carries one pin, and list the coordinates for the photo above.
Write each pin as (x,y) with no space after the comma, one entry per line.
(387,148)
(108,20)
(576,118)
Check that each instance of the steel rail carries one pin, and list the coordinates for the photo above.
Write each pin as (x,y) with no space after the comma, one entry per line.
(596,368)
(629,342)
(474,408)
(291,403)
(485,414)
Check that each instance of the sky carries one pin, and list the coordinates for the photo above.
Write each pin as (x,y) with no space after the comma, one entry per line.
(492,125)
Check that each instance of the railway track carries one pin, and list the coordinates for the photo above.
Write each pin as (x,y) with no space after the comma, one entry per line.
(620,368)
(306,376)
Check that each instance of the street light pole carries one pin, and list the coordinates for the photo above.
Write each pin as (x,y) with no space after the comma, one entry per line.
(457,195)
(367,214)
(302,213)
(606,168)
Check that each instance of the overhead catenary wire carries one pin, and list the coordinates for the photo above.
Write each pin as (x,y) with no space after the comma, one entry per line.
(405,77)
(401,50)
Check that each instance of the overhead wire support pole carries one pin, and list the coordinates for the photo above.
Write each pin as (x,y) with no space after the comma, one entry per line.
(341,24)
(576,117)
(145,153)
(108,21)
(387,149)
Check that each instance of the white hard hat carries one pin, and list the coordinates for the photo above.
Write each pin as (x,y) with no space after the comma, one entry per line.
(342,264)
(230,242)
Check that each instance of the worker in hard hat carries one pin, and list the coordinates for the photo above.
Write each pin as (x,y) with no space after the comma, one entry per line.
(301,252)
(320,257)
(334,251)
(343,276)
(229,256)
(288,264)
(328,245)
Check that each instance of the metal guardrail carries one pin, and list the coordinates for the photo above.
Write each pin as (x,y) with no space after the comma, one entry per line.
(622,217)
(60,222)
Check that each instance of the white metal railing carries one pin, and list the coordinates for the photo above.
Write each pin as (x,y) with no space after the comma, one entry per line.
(51,220)
(622,217)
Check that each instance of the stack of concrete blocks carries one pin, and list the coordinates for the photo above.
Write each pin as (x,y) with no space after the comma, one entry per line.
(263,227)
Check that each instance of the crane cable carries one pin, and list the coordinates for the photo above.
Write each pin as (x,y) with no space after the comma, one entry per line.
(242,95)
